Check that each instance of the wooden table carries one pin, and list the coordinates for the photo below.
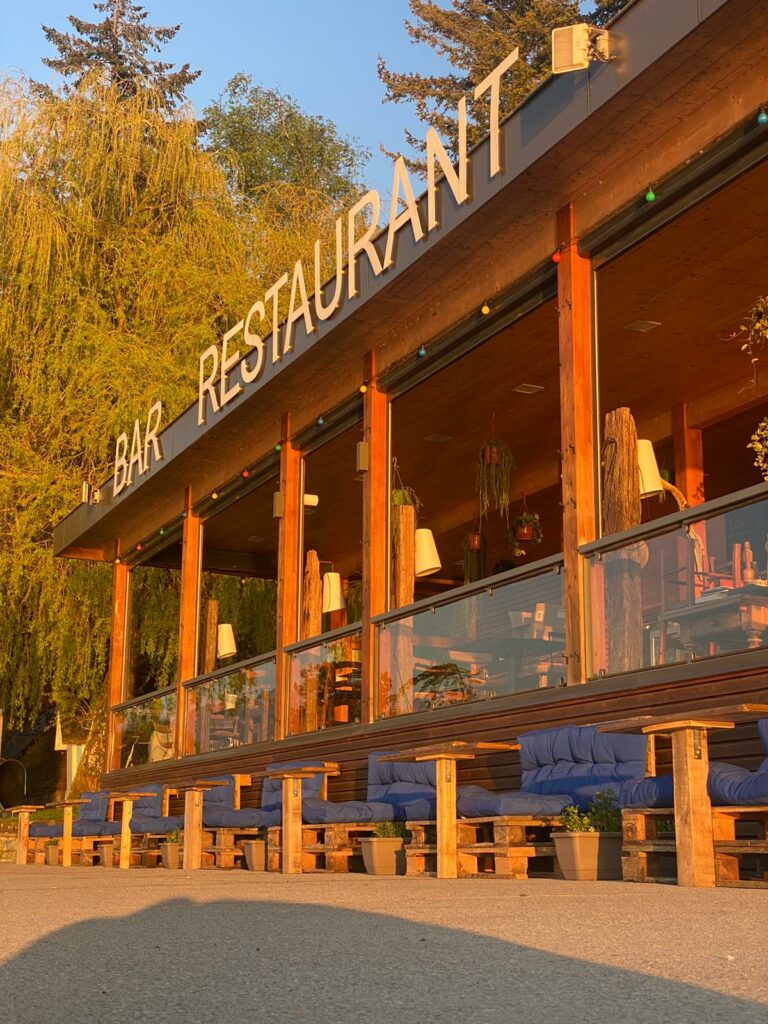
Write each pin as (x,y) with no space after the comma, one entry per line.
(446,755)
(22,836)
(66,840)
(292,777)
(690,771)
(126,799)
(725,616)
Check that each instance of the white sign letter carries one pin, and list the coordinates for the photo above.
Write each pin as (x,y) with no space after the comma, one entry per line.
(205,386)
(227,362)
(298,286)
(492,82)
(248,373)
(324,312)
(150,434)
(121,465)
(436,151)
(409,214)
(272,296)
(364,243)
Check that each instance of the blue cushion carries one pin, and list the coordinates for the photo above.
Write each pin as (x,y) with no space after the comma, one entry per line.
(732,785)
(96,808)
(424,809)
(655,791)
(45,830)
(217,801)
(579,761)
(144,824)
(272,790)
(324,812)
(382,775)
(246,817)
(107,828)
(477,802)
(150,805)
(762,729)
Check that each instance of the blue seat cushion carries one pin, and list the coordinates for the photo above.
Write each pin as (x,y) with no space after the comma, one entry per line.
(272,790)
(143,824)
(762,729)
(655,791)
(408,785)
(579,761)
(46,830)
(324,812)
(246,817)
(732,785)
(96,808)
(477,802)
(218,800)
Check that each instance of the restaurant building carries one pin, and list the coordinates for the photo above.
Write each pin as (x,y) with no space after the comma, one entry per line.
(418,509)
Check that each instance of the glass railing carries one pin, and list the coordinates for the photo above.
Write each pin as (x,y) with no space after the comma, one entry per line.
(236,706)
(689,586)
(324,681)
(143,728)
(486,640)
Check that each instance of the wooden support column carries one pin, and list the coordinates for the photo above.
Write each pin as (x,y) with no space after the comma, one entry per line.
(288,570)
(689,456)
(375,547)
(577,430)
(117,657)
(191,559)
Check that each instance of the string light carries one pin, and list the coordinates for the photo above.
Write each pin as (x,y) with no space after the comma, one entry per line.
(278,446)
(557,256)
(650,195)
(138,547)
(363,388)
(118,561)
(762,117)
(161,531)
(422,352)
(214,495)
(320,421)
(485,309)
(246,473)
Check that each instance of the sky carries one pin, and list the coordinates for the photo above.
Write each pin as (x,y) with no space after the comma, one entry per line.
(322,53)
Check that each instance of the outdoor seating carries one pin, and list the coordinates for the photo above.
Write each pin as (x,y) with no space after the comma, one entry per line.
(509,832)
(93,823)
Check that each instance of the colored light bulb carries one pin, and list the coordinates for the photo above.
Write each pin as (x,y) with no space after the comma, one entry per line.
(762,117)
(650,195)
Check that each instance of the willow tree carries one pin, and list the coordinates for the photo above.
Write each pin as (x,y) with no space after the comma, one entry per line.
(125,253)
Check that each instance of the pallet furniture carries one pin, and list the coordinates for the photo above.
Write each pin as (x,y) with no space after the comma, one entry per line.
(74,839)
(291,778)
(446,757)
(694,840)
(333,847)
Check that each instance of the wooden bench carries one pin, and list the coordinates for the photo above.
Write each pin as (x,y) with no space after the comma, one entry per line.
(505,846)
(331,847)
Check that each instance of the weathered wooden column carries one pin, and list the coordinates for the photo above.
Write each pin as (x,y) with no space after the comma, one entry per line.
(117,656)
(189,601)
(577,430)
(375,547)
(288,569)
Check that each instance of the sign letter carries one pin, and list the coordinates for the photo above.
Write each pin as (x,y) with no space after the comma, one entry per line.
(492,82)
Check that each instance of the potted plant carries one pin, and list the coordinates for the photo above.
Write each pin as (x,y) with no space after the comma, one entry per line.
(589,846)
(753,333)
(493,472)
(169,850)
(255,853)
(527,527)
(384,853)
(106,851)
(52,852)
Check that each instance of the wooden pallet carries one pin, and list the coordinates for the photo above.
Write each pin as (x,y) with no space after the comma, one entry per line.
(507,847)
(648,845)
(333,847)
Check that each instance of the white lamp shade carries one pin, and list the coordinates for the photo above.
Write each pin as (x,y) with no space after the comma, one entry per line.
(650,478)
(333,595)
(225,641)
(427,559)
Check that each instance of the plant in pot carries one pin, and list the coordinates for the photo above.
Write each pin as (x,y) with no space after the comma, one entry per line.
(493,472)
(384,853)
(759,445)
(170,850)
(753,334)
(255,853)
(589,846)
(526,528)
(52,852)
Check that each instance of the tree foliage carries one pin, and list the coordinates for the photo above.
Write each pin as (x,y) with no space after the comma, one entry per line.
(474,36)
(118,48)
(125,254)
(274,141)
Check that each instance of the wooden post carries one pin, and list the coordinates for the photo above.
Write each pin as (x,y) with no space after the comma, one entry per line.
(311,625)
(689,456)
(22,837)
(193,830)
(577,430)
(288,561)
(375,547)
(191,558)
(445,778)
(125,835)
(66,842)
(210,637)
(693,811)
(397,698)
(117,657)
(291,839)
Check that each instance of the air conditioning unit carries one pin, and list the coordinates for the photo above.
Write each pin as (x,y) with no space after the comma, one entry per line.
(574,46)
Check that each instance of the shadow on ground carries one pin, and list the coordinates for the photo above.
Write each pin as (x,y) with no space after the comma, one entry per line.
(249,961)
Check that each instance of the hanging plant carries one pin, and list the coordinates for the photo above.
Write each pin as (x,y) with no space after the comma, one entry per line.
(474,550)
(753,334)
(759,445)
(527,527)
(493,473)
(401,495)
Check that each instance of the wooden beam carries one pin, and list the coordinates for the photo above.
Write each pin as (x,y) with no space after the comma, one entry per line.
(689,456)
(577,429)
(191,553)
(117,655)
(375,522)
(288,569)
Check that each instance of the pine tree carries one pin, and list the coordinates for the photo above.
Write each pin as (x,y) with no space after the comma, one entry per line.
(118,49)
(474,36)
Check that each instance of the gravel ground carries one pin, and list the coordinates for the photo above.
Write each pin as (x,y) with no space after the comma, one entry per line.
(95,944)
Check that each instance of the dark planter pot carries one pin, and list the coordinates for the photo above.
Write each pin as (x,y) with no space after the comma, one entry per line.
(106,852)
(170,852)
(491,455)
(255,851)
(523,533)
(589,856)
(474,542)
(52,856)
(383,855)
